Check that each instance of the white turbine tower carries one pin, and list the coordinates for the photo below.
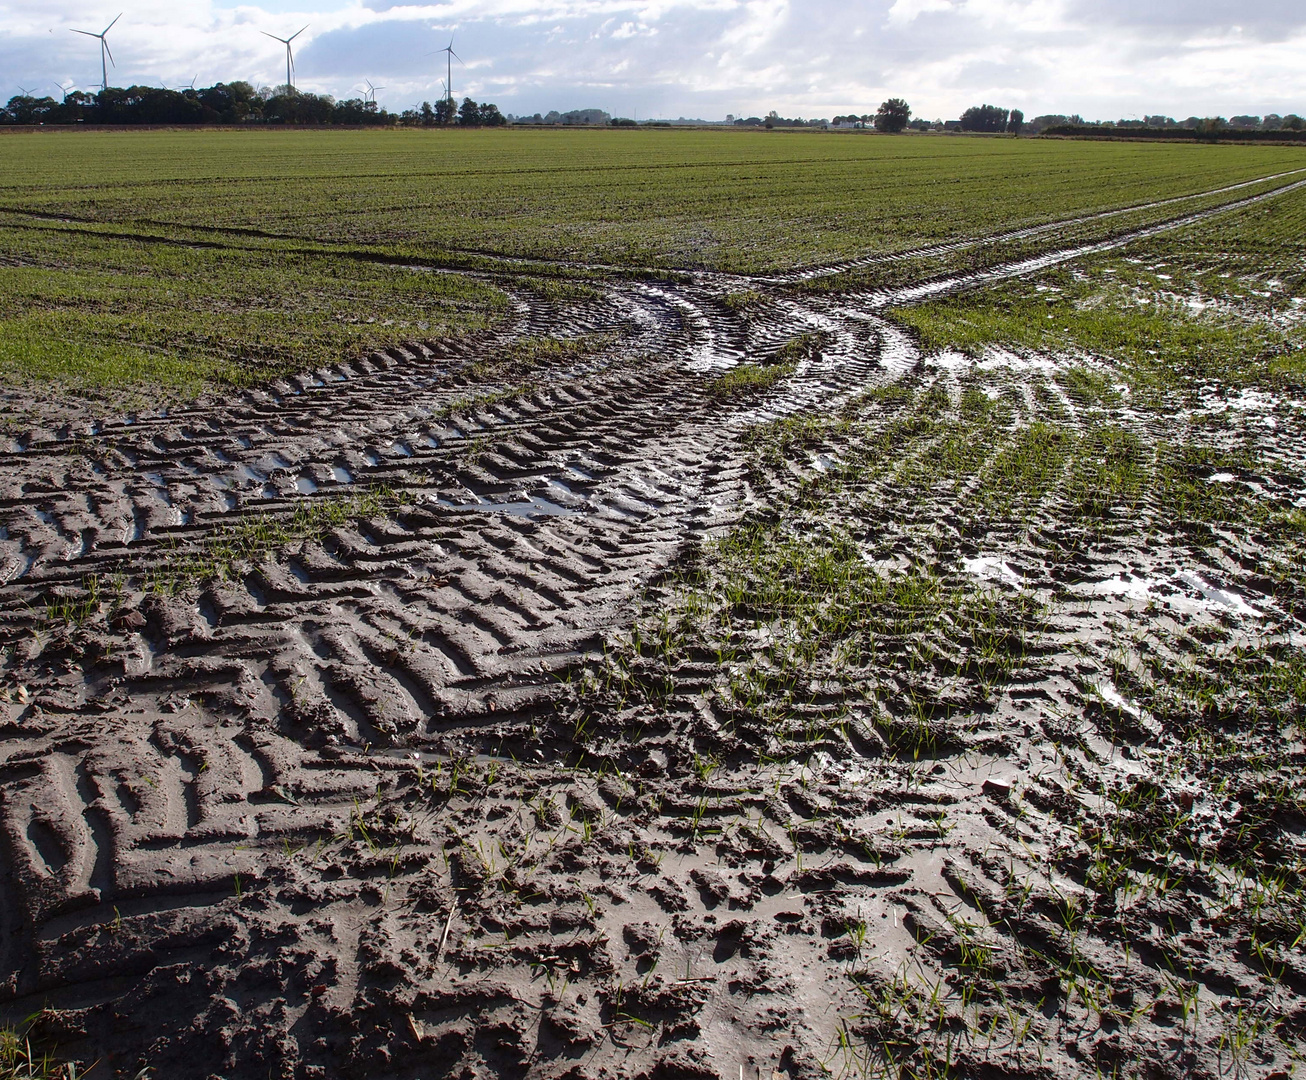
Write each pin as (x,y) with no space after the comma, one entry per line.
(450,57)
(371,91)
(290,56)
(106,57)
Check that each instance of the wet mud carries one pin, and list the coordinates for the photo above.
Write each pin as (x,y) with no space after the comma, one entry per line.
(400,788)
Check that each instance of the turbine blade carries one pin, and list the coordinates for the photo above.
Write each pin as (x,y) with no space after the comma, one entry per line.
(456,57)
(298,32)
(273,36)
(87,33)
(109,51)
(110,26)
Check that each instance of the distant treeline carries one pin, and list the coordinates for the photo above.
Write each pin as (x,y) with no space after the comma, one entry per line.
(1200,134)
(234,103)
(573,118)
(1168,127)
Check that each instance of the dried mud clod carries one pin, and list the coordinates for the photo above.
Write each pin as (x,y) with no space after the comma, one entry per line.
(875,713)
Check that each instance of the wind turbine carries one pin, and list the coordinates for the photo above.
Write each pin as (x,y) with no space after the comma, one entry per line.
(450,57)
(290,57)
(67,90)
(26,92)
(106,57)
(371,91)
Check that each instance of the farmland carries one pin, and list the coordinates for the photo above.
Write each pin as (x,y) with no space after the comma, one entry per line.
(185,259)
(656,603)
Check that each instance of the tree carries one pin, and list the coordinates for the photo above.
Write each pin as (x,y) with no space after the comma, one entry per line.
(470,114)
(984,118)
(1015,121)
(892,115)
(299,108)
(445,111)
(230,103)
(1293,122)
(427,115)
(490,116)
(584,116)
(25,109)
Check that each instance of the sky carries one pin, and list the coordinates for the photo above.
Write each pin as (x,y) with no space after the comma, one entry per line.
(1103,59)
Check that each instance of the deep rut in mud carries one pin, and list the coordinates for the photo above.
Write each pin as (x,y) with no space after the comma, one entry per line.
(247,821)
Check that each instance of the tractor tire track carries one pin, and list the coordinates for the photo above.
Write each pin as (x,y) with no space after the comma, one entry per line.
(167,749)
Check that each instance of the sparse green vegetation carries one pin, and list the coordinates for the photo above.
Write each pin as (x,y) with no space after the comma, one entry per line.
(749,379)
(924,566)
(174,260)
(238,547)
(1215,303)
(20,1061)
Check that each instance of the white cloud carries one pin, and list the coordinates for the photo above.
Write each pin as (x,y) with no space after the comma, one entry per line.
(1107,58)
(905,11)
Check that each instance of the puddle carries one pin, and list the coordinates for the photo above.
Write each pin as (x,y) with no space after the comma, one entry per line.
(1184,590)
(994,358)
(991,568)
(535,506)
(341,475)
(1107,691)
(305,485)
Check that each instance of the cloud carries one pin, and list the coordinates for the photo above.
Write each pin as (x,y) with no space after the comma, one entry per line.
(1107,58)
(1182,20)
(904,11)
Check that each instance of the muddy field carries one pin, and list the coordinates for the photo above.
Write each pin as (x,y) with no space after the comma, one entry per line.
(700,678)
